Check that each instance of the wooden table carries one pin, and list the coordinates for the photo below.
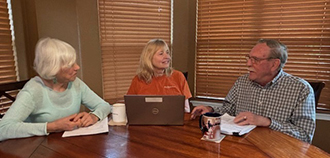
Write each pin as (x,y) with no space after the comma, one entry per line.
(158,142)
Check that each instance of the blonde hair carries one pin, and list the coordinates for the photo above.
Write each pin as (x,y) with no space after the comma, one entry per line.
(146,68)
(52,55)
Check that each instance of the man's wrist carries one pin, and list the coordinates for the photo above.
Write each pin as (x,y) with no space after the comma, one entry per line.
(267,121)
(210,108)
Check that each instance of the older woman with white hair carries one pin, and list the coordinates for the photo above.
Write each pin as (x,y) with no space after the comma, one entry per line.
(51,101)
(155,76)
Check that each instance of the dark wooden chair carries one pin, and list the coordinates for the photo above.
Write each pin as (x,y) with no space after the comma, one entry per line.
(185,74)
(317,87)
(8,92)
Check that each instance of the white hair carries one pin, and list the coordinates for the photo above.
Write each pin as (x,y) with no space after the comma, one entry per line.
(52,55)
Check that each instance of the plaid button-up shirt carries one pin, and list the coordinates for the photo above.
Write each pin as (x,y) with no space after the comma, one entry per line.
(287,100)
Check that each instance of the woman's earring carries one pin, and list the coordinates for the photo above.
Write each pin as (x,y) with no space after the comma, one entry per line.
(54,80)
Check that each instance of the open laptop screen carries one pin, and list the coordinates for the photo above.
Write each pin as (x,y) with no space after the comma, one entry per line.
(155,109)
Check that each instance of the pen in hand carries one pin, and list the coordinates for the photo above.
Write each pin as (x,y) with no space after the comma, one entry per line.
(240,121)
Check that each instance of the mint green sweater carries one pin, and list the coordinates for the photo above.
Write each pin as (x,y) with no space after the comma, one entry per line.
(37,104)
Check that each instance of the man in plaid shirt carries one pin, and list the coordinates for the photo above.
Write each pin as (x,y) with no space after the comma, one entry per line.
(268,96)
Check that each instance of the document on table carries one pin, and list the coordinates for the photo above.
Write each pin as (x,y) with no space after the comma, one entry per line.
(230,128)
(98,127)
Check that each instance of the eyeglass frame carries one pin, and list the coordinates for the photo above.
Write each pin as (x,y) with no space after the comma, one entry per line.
(256,60)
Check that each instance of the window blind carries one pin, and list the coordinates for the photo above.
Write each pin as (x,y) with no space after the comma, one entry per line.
(125,28)
(7,60)
(227,30)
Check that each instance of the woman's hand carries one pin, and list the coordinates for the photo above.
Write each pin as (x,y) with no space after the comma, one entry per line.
(63,124)
(72,122)
(86,119)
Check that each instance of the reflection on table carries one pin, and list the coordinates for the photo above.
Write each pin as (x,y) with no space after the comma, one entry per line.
(160,141)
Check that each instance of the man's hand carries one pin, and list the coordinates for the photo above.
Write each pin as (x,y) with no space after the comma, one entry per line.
(248,118)
(199,110)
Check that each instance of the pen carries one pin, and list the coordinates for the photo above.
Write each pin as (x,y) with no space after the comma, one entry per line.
(244,118)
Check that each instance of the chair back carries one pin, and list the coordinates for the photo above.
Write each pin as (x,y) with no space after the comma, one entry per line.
(317,87)
(185,74)
(8,92)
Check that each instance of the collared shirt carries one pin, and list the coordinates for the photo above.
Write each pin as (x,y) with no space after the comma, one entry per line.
(288,101)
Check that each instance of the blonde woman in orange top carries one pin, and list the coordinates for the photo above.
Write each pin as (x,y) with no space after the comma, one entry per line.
(155,76)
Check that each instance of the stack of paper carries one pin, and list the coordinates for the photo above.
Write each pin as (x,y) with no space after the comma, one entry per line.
(98,127)
(230,128)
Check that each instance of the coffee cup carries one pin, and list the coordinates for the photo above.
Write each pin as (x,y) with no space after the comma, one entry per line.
(209,124)
(118,112)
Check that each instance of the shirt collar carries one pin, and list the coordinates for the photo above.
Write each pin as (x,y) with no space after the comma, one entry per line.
(272,82)
(275,79)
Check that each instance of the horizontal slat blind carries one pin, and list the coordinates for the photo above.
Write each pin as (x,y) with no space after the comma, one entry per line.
(227,30)
(125,28)
(7,60)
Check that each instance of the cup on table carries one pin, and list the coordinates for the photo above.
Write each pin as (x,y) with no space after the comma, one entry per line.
(118,112)
(209,123)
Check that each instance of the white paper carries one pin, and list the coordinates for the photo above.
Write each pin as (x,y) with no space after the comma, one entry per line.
(98,127)
(229,127)
(216,141)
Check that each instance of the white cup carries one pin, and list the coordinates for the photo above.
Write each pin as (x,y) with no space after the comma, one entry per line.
(118,112)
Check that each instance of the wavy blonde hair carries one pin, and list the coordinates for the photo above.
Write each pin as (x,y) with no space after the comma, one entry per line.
(146,69)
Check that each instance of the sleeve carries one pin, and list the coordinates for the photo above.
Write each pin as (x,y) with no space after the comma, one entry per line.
(229,104)
(184,86)
(302,122)
(13,126)
(96,104)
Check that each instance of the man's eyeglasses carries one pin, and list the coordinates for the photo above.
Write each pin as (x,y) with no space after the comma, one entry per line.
(256,60)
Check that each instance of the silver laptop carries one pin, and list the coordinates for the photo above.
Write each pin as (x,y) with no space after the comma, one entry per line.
(154,109)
